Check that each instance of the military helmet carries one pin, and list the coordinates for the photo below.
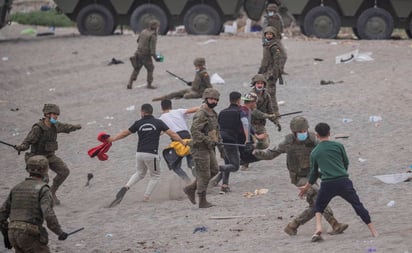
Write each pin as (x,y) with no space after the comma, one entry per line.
(258,77)
(51,108)
(299,123)
(153,24)
(250,97)
(211,93)
(272,7)
(270,29)
(199,61)
(38,165)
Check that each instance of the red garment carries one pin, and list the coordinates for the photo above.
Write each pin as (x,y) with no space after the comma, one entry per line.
(100,151)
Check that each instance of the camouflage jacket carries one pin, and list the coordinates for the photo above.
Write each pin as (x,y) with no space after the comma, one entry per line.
(30,202)
(271,64)
(263,107)
(205,129)
(42,139)
(276,21)
(298,154)
(147,43)
(201,82)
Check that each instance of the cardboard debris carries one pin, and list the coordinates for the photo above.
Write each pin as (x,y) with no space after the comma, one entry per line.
(394,178)
(255,193)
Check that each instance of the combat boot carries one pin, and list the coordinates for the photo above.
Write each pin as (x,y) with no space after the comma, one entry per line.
(119,196)
(150,86)
(190,191)
(337,227)
(130,84)
(53,190)
(202,200)
(292,228)
(159,98)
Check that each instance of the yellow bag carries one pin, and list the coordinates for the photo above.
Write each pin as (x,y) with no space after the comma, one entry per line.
(181,150)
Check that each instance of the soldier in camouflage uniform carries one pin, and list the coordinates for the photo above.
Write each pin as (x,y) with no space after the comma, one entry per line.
(42,139)
(199,84)
(146,49)
(205,136)
(273,61)
(27,206)
(273,18)
(298,145)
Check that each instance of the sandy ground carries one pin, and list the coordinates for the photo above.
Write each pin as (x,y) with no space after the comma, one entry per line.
(72,71)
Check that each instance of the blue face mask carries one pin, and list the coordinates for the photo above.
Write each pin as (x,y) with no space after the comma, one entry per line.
(53,121)
(302,136)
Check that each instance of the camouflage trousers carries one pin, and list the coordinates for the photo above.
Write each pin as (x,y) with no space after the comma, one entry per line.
(25,242)
(186,93)
(206,167)
(57,165)
(264,143)
(309,212)
(271,89)
(147,62)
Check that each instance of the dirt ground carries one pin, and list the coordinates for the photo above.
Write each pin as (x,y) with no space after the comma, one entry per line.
(73,72)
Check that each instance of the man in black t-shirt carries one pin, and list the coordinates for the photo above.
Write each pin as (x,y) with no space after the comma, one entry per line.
(148,129)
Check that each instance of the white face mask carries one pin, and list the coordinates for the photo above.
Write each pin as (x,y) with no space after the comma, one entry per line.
(271,13)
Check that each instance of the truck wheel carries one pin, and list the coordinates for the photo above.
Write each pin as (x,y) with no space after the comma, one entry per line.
(141,16)
(95,19)
(375,24)
(202,19)
(322,22)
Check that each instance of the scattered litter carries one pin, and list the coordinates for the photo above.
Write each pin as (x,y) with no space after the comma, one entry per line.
(234,217)
(109,124)
(360,159)
(109,117)
(130,108)
(394,178)
(52,89)
(324,82)
(216,79)
(79,245)
(13,107)
(354,55)
(44,34)
(4,58)
(109,235)
(375,118)
(346,120)
(91,122)
(317,59)
(114,61)
(232,29)
(281,102)
(370,250)
(200,229)
(89,177)
(341,136)
(255,193)
(141,85)
(391,203)
(28,73)
(333,43)
(207,42)
(15,134)
(29,31)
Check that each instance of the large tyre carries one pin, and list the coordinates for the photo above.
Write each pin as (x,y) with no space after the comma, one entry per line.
(409,29)
(375,24)
(322,22)
(141,16)
(202,19)
(95,19)
(355,31)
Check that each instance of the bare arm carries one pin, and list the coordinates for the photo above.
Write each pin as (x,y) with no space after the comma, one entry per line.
(119,136)
(192,110)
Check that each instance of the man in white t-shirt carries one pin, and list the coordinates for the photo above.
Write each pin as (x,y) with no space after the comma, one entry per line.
(175,119)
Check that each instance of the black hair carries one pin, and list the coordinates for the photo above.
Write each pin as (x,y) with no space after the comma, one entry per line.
(234,96)
(166,104)
(147,108)
(322,129)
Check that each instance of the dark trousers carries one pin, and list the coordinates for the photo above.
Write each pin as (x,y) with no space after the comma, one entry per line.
(342,187)
(189,159)
(232,162)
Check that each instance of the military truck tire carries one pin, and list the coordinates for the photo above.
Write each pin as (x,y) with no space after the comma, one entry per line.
(322,22)
(144,13)
(202,19)
(375,24)
(95,19)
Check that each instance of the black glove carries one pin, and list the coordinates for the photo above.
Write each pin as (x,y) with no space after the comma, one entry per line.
(63,236)
(77,127)
(20,148)
(249,147)
(189,83)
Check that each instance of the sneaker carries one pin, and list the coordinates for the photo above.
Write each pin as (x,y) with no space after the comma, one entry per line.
(119,197)
(224,190)
(244,167)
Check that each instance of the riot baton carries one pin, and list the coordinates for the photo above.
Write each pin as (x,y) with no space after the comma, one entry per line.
(10,145)
(75,231)
(290,113)
(231,144)
(179,78)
